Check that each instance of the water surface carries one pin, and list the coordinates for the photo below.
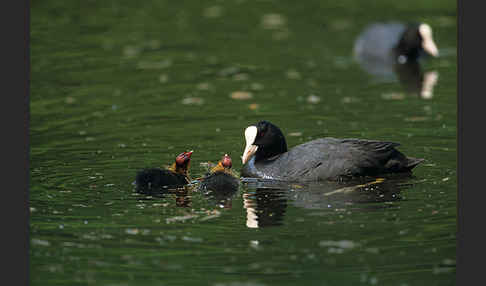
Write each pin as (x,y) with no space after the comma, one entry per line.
(120,85)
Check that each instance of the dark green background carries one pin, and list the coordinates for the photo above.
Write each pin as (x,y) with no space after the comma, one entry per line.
(109,83)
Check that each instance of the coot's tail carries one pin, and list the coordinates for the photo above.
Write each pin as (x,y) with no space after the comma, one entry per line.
(413,162)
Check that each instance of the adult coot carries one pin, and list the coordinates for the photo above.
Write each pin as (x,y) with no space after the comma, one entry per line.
(176,175)
(266,156)
(220,179)
(381,45)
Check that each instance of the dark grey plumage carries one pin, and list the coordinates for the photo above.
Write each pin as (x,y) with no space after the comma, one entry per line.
(151,180)
(220,180)
(328,159)
(155,178)
(220,183)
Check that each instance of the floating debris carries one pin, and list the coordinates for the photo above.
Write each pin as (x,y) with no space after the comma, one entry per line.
(180,218)
(313,99)
(70,100)
(256,86)
(160,205)
(229,71)
(343,244)
(203,86)
(192,239)
(393,96)
(210,217)
(253,106)
(131,51)
(132,231)
(416,119)
(273,21)
(81,205)
(241,76)
(349,99)
(241,95)
(193,100)
(293,74)
(36,241)
(295,134)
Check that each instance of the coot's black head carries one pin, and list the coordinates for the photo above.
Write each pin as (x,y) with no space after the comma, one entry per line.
(415,39)
(263,140)
(182,162)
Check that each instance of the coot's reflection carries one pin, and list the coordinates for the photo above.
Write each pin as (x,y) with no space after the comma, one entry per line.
(415,81)
(266,201)
(392,50)
(265,207)
(410,75)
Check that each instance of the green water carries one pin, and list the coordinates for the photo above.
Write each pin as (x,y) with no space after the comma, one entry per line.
(121,85)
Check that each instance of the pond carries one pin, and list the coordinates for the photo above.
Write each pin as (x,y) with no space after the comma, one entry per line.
(117,86)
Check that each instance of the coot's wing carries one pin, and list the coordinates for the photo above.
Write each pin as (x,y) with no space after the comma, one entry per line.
(378,39)
(372,48)
(331,158)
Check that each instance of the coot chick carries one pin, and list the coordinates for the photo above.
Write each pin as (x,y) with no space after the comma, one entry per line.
(393,42)
(266,156)
(176,175)
(220,179)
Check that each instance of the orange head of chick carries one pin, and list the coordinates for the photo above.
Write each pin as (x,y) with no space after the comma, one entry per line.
(182,163)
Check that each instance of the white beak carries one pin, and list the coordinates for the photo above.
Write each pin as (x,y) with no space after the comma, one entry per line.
(428,43)
(250,149)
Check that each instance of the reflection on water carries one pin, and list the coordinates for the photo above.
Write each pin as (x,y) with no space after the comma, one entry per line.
(415,81)
(182,195)
(121,86)
(379,60)
(265,207)
(410,75)
(266,201)
(222,198)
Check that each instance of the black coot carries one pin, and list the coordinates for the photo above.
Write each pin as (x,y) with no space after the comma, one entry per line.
(381,45)
(266,156)
(220,179)
(176,175)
